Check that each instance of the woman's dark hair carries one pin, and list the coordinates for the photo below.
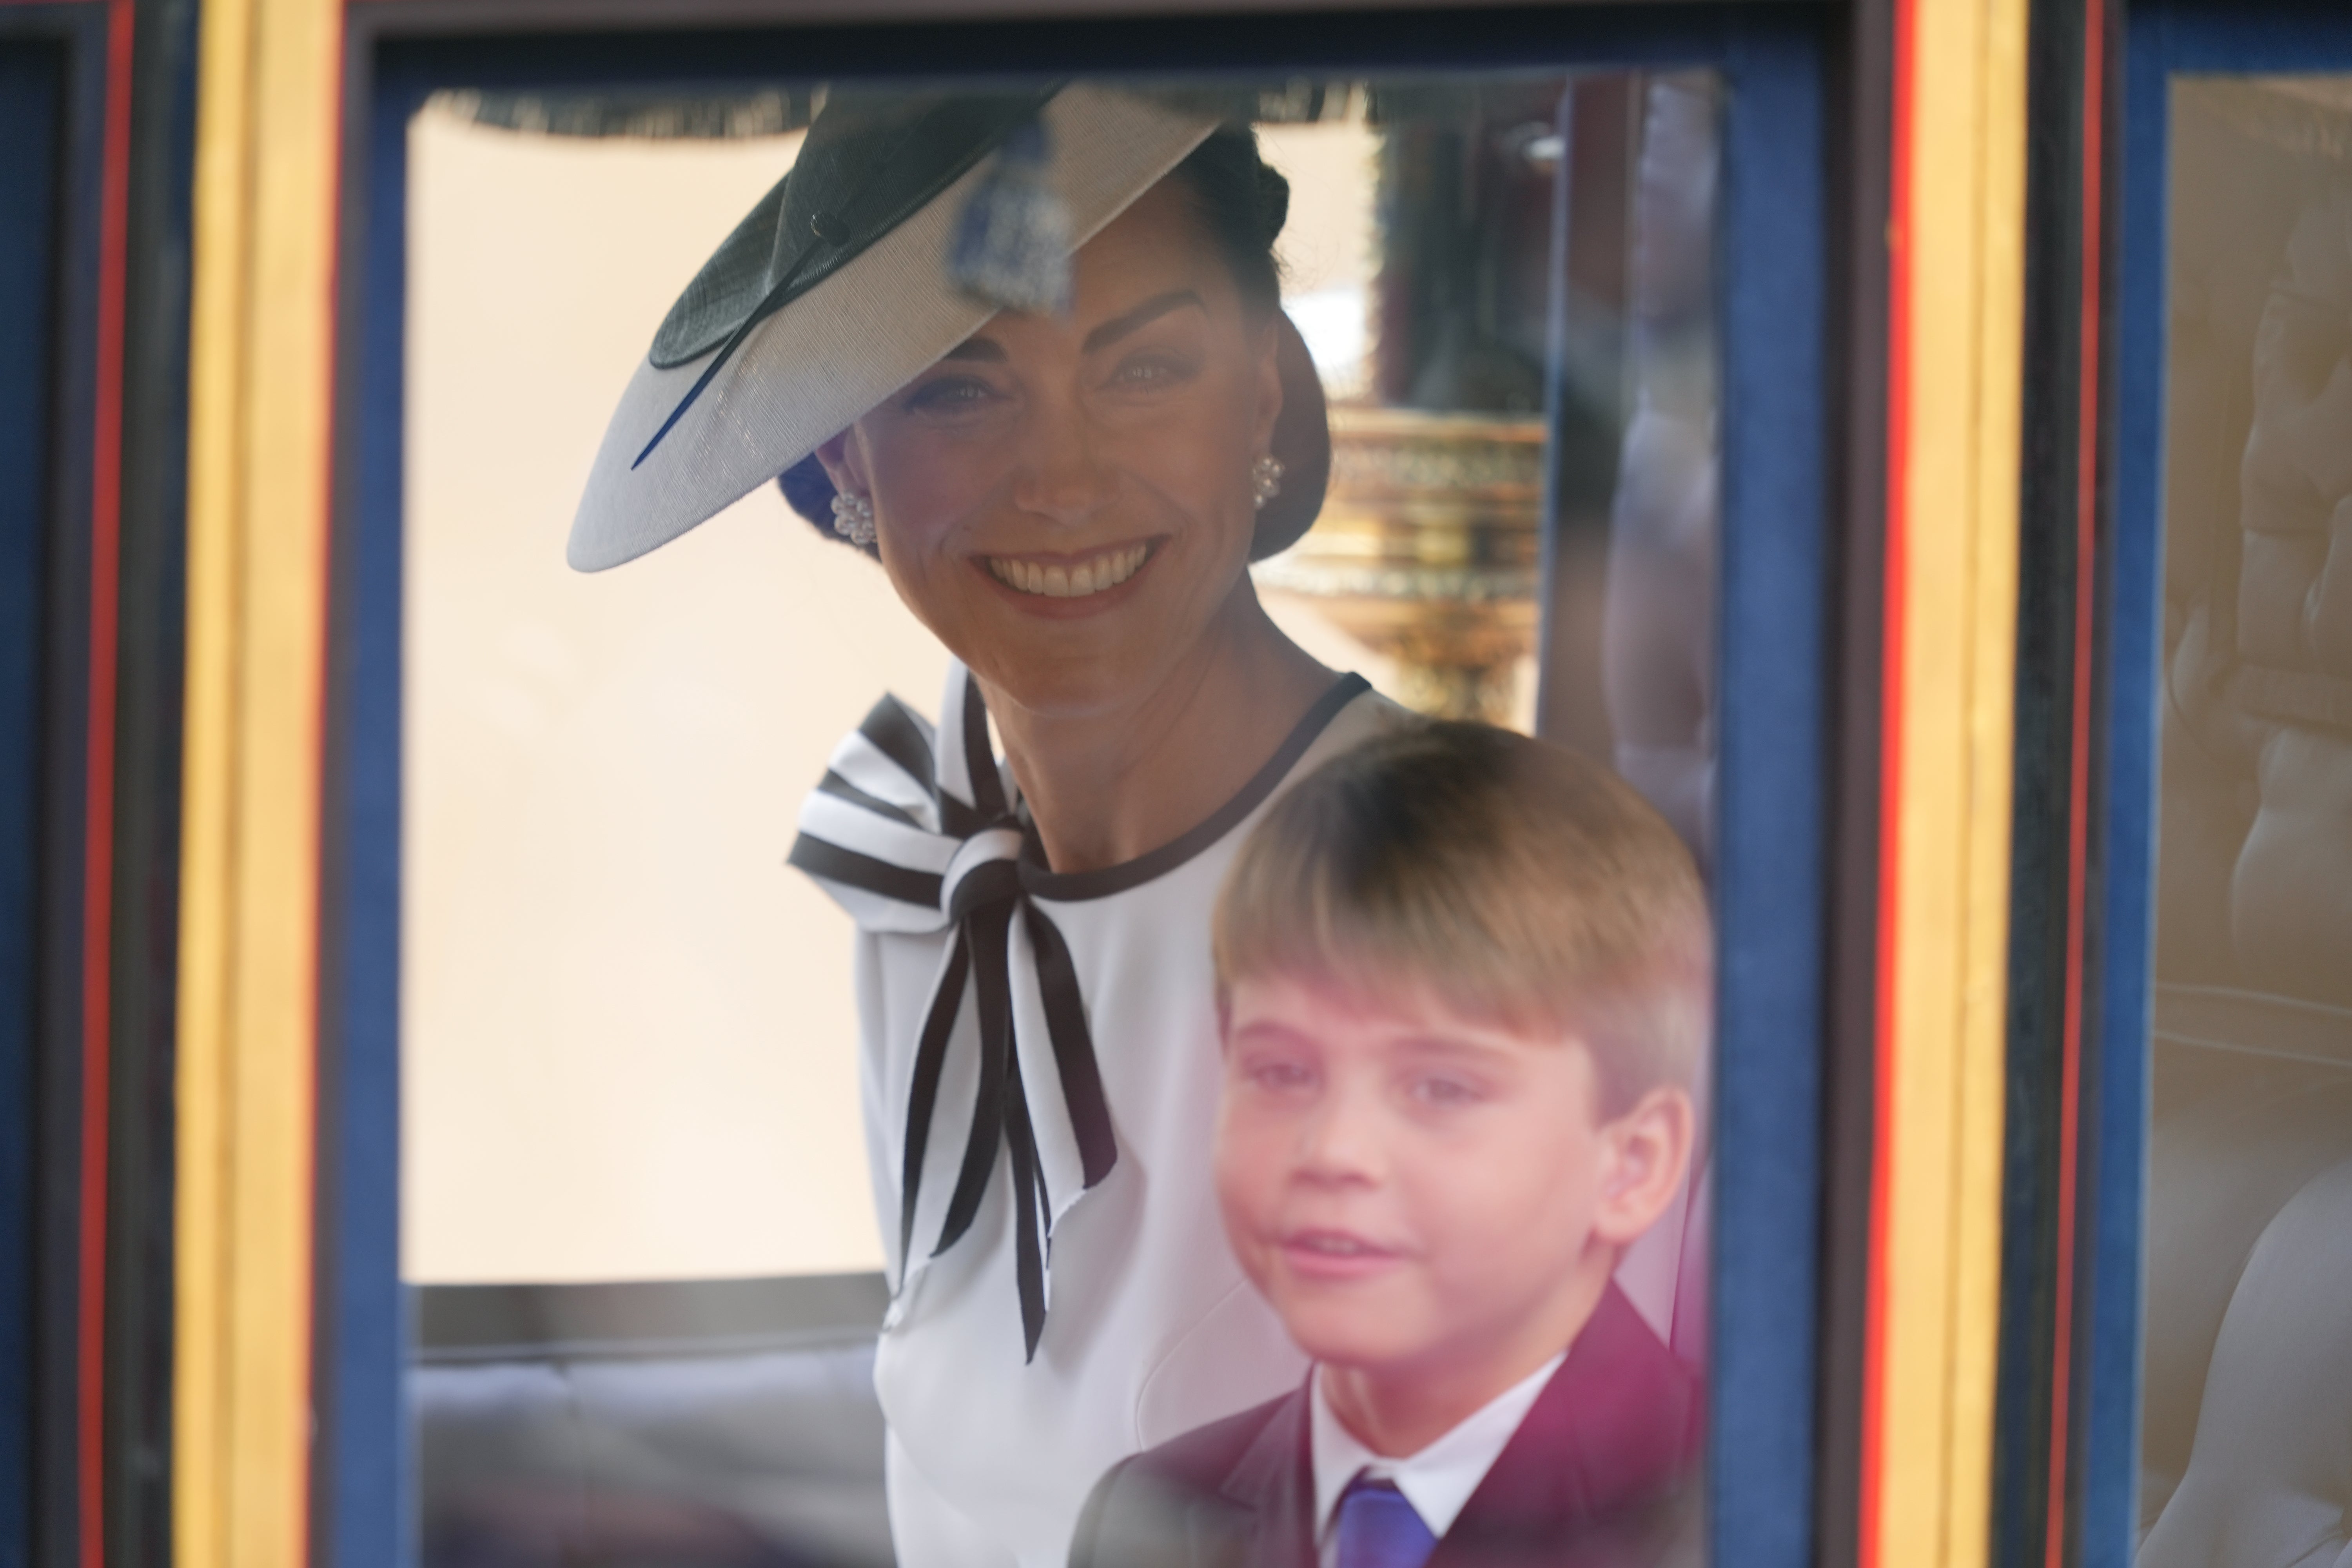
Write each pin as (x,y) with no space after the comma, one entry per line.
(1243,204)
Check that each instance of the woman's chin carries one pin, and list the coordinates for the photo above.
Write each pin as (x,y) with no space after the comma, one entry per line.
(1062,684)
(1075,668)
(1070,655)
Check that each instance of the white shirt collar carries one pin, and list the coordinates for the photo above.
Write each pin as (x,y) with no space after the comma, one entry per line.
(1439,1479)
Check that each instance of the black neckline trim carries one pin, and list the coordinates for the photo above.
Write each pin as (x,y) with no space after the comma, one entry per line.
(1073,887)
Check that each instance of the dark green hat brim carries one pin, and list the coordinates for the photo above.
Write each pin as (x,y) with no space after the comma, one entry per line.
(883,312)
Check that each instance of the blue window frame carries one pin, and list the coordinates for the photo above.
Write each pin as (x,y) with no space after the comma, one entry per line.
(30,90)
(1775,610)
(2164,39)
(53,86)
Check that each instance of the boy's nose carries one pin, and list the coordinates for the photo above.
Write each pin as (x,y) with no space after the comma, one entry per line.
(1341,1140)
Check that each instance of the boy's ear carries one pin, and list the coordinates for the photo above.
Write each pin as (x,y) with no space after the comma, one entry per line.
(1644,1153)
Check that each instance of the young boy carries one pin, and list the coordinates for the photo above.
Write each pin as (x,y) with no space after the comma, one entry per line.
(1464,978)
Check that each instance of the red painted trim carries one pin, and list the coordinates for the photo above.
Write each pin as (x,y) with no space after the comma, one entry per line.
(2078,782)
(1890,812)
(98,856)
(331,302)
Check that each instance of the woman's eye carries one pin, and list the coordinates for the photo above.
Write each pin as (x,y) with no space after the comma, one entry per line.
(1147,371)
(950,394)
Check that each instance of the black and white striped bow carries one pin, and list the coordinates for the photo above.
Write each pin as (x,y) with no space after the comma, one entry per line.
(916,832)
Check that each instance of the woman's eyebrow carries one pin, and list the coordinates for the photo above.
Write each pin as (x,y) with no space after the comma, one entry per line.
(1159,305)
(987,349)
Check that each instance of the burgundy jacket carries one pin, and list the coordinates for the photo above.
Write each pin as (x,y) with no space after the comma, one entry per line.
(1602,1473)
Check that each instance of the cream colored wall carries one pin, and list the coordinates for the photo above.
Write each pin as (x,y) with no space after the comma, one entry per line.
(627,1031)
(627,1038)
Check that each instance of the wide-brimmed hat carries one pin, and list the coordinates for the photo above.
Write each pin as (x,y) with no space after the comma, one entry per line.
(838,289)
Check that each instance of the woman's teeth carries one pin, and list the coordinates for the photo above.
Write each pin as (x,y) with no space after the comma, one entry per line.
(1091,576)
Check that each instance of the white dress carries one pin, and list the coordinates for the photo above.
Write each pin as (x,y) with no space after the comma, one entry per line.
(1147,1326)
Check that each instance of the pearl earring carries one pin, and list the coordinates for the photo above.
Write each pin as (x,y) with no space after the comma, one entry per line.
(853,518)
(1265,479)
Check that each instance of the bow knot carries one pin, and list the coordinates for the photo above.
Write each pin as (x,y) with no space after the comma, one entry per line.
(918,832)
(985,869)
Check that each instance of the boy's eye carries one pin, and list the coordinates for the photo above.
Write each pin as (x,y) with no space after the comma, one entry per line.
(1446,1092)
(1281,1076)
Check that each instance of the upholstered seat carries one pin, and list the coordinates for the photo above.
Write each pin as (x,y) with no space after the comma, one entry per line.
(692,1424)
(2253,1099)
(2246,1433)
(2270,1477)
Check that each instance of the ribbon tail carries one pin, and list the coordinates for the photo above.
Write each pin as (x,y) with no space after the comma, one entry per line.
(989,929)
(1029,1206)
(923,1094)
(1074,1048)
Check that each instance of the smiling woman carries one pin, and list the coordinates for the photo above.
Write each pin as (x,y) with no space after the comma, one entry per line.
(1069,497)
(1070,504)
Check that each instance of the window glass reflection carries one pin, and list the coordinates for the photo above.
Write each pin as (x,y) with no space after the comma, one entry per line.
(637,1206)
(2249,1348)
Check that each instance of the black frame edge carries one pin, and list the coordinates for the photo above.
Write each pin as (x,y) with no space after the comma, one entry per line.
(1866,108)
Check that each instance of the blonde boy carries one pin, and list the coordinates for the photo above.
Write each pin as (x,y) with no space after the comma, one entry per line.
(1464,978)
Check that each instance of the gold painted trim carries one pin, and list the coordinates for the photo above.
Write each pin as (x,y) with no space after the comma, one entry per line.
(261,343)
(1958,594)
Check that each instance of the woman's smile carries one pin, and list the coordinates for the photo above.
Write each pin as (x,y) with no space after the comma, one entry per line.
(1076,576)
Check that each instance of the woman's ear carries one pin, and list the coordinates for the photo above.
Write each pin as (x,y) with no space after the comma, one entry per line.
(843,461)
(1644,1153)
(1269,384)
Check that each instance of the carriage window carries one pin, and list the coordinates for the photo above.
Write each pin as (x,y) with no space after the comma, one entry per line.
(2248,1209)
(637,1196)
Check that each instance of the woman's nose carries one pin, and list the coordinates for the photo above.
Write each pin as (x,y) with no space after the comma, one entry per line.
(1059,473)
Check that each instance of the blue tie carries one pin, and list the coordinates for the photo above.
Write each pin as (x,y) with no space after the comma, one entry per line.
(1378,1528)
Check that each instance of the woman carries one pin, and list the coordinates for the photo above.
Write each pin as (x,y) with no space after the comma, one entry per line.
(1070,499)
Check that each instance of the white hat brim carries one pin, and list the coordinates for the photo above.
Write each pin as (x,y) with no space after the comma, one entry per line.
(807,373)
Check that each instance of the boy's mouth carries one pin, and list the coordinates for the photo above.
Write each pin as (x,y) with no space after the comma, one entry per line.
(1335,1254)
